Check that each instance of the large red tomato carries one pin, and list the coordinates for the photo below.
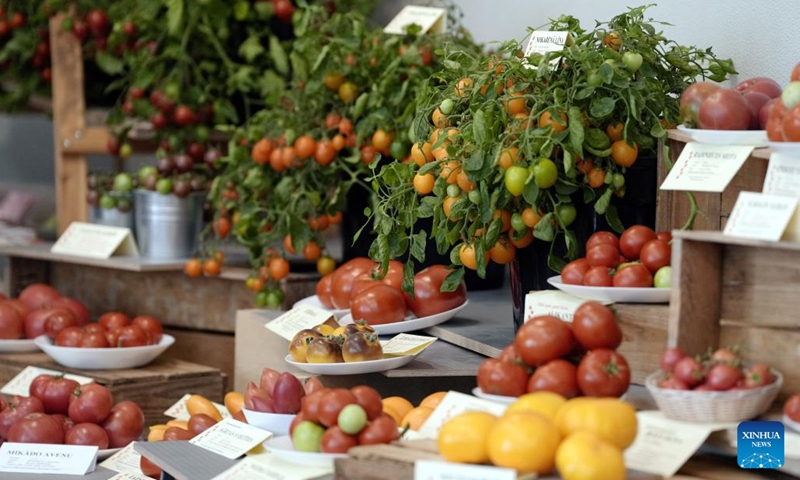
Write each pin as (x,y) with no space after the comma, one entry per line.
(151,326)
(11,323)
(343,279)
(57,321)
(20,307)
(324,287)
(603,373)
(574,271)
(656,254)
(692,98)
(36,428)
(428,297)
(57,394)
(69,337)
(334,440)
(558,376)
(38,295)
(791,125)
(763,85)
(132,336)
(394,274)
(633,239)
(124,424)
(77,308)
(18,407)
(603,255)
(87,434)
(542,339)
(379,304)
(381,430)
(112,320)
(500,378)
(595,326)
(633,276)
(332,403)
(599,238)
(755,103)
(598,277)
(36,320)
(724,109)
(90,403)
(361,283)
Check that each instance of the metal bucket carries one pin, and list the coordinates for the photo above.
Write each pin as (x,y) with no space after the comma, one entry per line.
(112,217)
(167,227)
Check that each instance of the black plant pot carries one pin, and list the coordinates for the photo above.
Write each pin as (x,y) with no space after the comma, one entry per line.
(529,270)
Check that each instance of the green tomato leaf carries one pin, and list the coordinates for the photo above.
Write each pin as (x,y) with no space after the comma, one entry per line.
(612,217)
(555,263)
(584,93)
(251,48)
(408,277)
(453,280)
(607,72)
(572,244)
(278,55)
(108,63)
(658,130)
(427,206)
(544,230)
(174,15)
(576,134)
(530,193)
(597,139)
(602,203)
(454,258)
(475,162)
(479,130)
(602,107)
(418,242)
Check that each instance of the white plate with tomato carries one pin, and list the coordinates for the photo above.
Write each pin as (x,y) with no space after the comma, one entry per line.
(283,448)
(505,400)
(411,323)
(613,294)
(756,138)
(352,368)
(103,358)
(313,301)
(12,346)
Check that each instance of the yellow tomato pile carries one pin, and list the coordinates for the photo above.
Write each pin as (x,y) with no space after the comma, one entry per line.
(583,438)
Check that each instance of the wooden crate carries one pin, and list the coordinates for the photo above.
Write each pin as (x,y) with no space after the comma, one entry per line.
(733,291)
(673,207)
(644,337)
(154,387)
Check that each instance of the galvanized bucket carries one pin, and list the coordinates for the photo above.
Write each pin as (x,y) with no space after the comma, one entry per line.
(112,217)
(167,227)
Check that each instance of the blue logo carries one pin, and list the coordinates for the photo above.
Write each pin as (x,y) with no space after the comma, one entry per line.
(760,445)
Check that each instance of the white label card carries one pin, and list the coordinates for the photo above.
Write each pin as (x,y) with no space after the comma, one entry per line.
(454,404)
(128,476)
(124,461)
(430,20)
(544,42)
(178,411)
(231,438)
(706,168)
(552,302)
(47,459)
(269,467)
(405,344)
(298,318)
(759,216)
(95,241)
(783,176)
(431,470)
(662,445)
(21,384)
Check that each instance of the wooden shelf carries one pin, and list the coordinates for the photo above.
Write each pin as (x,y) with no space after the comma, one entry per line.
(132,264)
(760,152)
(719,237)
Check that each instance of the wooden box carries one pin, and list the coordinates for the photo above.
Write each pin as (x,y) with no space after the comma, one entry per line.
(673,207)
(644,337)
(734,291)
(154,387)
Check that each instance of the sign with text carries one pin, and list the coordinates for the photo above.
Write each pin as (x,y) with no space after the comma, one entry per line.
(544,42)
(42,458)
(95,241)
(454,404)
(124,461)
(21,384)
(761,217)
(783,178)
(296,319)
(231,438)
(406,344)
(429,19)
(128,476)
(706,168)
(551,302)
(431,470)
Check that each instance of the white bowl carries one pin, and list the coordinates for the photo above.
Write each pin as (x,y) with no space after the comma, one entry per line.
(276,423)
(103,358)
(757,138)
(505,400)
(410,323)
(24,345)
(790,149)
(352,368)
(283,448)
(313,301)
(613,294)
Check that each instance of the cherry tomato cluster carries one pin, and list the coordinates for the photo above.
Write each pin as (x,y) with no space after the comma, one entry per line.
(112,330)
(278,392)
(40,309)
(61,411)
(718,371)
(333,343)
(549,354)
(333,420)
(639,258)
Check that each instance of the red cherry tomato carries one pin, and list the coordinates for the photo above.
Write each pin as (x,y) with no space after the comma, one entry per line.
(690,371)
(723,376)
(792,407)
(381,430)
(334,440)
(151,326)
(69,337)
(57,321)
(112,320)
(132,336)
(664,236)
(603,373)
(669,358)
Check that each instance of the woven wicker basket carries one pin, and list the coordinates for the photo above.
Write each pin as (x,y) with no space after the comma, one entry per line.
(708,407)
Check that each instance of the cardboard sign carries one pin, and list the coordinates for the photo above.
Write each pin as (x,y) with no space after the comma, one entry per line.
(662,445)
(21,384)
(95,241)
(431,470)
(42,458)
(552,302)
(544,42)
(269,467)
(706,168)
(760,216)
(433,20)
(296,319)
(405,344)
(454,404)
(231,438)
(178,411)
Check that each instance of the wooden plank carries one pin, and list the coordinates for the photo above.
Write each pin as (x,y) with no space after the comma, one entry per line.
(719,237)
(88,141)
(644,329)
(23,272)
(68,118)
(441,359)
(695,303)
(41,251)
(763,152)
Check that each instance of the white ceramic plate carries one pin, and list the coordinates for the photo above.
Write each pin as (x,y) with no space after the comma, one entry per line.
(411,323)
(495,398)
(25,345)
(756,138)
(613,294)
(313,301)
(282,448)
(791,423)
(276,423)
(352,368)
(788,148)
(103,454)
(103,358)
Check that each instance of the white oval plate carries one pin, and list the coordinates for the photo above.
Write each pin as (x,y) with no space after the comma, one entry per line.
(103,358)
(276,423)
(411,323)
(24,345)
(788,148)
(352,368)
(282,448)
(313,301)
(103,454)
(613,294)
(495,398)
(726,137)
(791,423)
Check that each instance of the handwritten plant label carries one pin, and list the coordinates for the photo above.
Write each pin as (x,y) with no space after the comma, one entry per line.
(761,217)
(296,319)
(551,302)
(95,241)
(406,344)
(706,168)
(429,19)
(231,438)
(124,461)
(544,42)
(47,459)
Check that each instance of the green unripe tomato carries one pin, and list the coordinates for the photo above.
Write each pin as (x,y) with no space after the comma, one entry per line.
(566,213)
